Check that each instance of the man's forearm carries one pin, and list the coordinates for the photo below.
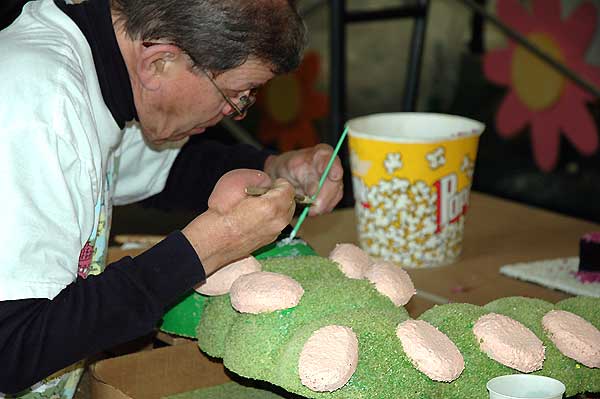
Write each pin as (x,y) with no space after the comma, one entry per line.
(40,336)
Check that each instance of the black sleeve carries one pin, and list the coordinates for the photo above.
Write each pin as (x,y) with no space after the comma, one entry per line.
(197,169)
(40,336)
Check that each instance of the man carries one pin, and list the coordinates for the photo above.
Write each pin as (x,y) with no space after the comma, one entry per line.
(74,77)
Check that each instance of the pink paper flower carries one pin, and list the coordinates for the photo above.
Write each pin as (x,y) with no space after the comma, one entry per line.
(538,95)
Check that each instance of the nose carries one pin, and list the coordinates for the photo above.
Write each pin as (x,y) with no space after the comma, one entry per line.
(227,110)
(231,113)
(239,117)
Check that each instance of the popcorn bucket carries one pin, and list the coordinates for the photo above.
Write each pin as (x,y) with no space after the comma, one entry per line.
(412,175)
(525,386)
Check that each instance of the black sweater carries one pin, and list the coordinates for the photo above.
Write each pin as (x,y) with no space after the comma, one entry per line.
(41,336)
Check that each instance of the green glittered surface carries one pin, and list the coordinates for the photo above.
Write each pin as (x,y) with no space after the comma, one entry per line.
(381,358)
(456,320)
(329,298)
(183,318)
(267,346)
(589,309)
(530,312)
(586,307)
(231,390)
(214,326)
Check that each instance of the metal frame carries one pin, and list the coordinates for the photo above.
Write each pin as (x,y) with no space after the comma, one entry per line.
(339,18)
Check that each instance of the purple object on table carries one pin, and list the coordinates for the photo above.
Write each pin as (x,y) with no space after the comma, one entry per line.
(589,258)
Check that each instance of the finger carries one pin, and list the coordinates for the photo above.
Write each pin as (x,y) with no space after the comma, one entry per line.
(283,203)
(337,199)
(321,159)
(282,192)
(321,156)
(328,198)
(336,173)
(314,170)
(230,189)
(311,187)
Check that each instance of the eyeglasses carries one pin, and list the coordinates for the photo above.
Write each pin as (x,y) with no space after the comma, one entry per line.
(245,101)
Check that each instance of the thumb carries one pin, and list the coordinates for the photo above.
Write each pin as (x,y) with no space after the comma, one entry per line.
(230,189)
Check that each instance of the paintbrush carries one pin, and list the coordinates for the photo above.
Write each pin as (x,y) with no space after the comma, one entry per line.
(321,182)
(257,191)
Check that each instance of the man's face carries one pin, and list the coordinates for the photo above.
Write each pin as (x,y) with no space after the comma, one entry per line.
(187,102)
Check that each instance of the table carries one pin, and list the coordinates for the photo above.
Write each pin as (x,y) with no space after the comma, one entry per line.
(497,232)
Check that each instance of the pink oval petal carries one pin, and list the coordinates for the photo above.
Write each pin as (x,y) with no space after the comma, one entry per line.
(328,359)
(351,260)
(574,336)
(262,292)
(509,342)
(220,282)
(392,281)
(430,350)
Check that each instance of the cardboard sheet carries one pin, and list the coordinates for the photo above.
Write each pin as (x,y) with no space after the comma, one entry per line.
(155,374)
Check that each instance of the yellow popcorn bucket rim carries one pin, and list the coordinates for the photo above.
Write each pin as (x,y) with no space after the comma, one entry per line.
(414,127)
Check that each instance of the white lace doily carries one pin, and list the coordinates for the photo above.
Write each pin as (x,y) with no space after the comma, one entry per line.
(553,273)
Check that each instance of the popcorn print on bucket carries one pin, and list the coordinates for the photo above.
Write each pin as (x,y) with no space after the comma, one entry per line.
(436,158)
(400,224)
(360,192)
(468,167)
(359,167)
(393,162)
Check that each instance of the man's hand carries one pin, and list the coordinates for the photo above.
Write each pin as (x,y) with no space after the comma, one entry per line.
(303,168)
(234,224)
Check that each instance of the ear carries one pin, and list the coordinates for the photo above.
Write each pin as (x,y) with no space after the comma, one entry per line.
(154,63)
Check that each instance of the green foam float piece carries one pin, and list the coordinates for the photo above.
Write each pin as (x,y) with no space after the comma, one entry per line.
(589,309)
(456,320)
(529,312)
(219,317)
(586,307)
(230,390)
(328,295)
(267,346)
(214,326)
(183,318)
(383,371)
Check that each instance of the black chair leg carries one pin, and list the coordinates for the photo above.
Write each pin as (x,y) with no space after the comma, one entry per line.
(415,60)
(338,69)
(339,17)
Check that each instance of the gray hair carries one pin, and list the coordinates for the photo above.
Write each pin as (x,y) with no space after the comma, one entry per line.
(220,34)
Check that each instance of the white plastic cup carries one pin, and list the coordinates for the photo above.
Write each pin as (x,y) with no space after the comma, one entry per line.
(525,386)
